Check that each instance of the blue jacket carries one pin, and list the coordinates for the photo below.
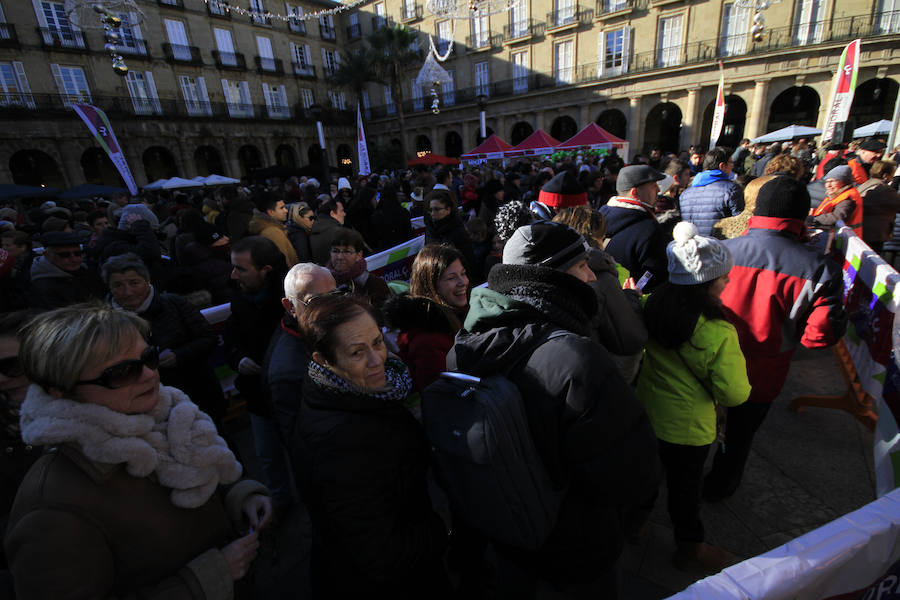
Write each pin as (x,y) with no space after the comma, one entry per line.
(636,241)
(711,197)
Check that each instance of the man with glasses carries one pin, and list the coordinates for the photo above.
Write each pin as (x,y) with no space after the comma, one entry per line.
(350,270)
(59,277)
(712,195)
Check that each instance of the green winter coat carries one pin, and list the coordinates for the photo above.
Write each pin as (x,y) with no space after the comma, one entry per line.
(680,407)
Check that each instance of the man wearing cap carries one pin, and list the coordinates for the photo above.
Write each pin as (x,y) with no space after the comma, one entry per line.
(869,151)
(842,203)
(587,425)
(59,277)
(783,293)
(636,239)
(712,195)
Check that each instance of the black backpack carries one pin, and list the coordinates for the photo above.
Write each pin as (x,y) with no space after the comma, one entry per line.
(489,465)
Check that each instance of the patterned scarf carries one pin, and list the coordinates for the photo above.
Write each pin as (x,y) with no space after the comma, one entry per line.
(350,274)
(398,387)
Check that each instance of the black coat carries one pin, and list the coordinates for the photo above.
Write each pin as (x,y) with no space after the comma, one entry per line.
(51,287)
(389,225)
(299,238)
(140,239)
(283,372)
(360,467)
(451,230)
(320,236)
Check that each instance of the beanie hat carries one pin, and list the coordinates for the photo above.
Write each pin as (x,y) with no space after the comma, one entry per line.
(563,191)
(872,145)
(343,184)
(695,259)
(545,244)
(510,217)
(842,173)
(137,212)
(783,197)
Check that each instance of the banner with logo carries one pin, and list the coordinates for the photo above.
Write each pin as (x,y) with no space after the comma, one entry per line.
(719,113)
(844,87)
(96,121)
(361,147)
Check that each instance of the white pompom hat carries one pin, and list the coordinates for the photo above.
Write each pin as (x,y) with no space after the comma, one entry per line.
(694,259)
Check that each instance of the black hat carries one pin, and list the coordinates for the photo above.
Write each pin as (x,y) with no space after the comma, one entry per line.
(60,238)
(563,191)
(545,244)
(784,196)
(872,145)
(636,175)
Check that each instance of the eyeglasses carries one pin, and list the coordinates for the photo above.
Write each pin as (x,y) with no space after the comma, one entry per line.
(310,216)
(68,253)
(126,372)
(11,367)
(333,293)
(435,209)
(343,251)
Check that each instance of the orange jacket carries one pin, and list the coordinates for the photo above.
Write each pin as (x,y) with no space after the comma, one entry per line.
(854,221)
(860,174)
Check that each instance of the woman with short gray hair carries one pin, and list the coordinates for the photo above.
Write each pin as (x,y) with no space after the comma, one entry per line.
(127,502)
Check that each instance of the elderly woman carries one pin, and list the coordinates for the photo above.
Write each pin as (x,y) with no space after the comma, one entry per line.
(842,203)
(128,501)
(361,462)
(350,270)
(429,317)
(184,337)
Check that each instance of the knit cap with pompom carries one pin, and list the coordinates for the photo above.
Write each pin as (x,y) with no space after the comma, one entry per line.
(694,259)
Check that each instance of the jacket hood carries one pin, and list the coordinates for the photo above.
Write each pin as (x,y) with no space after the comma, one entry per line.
(412,312)
(44,269)
(261,221)
(707,177)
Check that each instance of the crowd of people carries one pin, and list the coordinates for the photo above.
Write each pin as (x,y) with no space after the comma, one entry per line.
(632,307)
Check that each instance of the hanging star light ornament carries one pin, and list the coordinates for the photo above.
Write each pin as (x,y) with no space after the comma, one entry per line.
(758,30)
(431,76)
(108,15)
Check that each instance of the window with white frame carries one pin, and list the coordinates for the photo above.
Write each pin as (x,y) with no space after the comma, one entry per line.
(563,12)
(196,99)
(307,99)
(217,7)
(889,16)
(237,98)
(380,14)
(14,88)
(444,35)
(611,6)
(71,83)
(56,27)
(258,13)
(338,100)
(808,22)
(518,19)
(614,50)
(330,62)
(302,59)
(296,22)
(276,101)
(418,103)
(482,79)
(409,9)
(225,46)
(564,62)
(4,31)
(142,90)
(735,28)
(389,105)
(178,39)
(520,71)
(480,32)
(266,56)
(326,27)
(130,39)
(669,42)
(448,89)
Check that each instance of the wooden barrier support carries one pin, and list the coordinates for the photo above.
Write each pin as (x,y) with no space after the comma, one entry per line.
(855,400)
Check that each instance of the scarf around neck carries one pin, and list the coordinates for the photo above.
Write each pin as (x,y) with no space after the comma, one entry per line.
(350,274)
(175,441)
(399,382)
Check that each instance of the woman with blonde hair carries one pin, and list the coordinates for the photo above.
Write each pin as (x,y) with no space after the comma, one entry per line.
(732,227)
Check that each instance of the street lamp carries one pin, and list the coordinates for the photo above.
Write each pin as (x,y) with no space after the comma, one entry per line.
(316,111)
(482,105)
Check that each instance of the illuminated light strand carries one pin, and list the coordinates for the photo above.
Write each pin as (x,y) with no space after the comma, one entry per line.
(230,8)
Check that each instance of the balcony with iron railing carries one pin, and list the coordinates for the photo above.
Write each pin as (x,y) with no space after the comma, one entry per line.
(230,61)
(8,37)
(178,53)
(304,71)
(266,64)
(326,32)
(63,38)
(171,3)
(258,18)
(354,32)
(568,18)
(379,22)
(133,46)
(215,8)
(522,30)
(297,26)
(610,9)
(411,12)
(487,41)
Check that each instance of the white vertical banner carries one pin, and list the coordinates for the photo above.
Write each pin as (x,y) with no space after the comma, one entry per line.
(361,147)
(843,89)
(719,113)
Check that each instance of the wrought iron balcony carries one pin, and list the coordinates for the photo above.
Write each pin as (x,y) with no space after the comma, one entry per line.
(134,47)
(522,30)
(8,37)
(231,61)
(216,8)
(63,39)
(613,8)
(177,53)
(304,71)
(269,65)
(568,18)
(486,41)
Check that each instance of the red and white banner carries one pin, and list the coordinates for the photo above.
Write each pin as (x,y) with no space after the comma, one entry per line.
(719,113)
(96,121)
(844,87)
(361,148)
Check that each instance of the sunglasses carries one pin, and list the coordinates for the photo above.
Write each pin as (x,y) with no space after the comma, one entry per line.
(333,293)
(11,367)
(68,253)
(126,372)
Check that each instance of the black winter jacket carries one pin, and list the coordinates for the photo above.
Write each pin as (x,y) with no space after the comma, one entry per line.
(360,466)
(636,241)
(320,236)
(283,372)
(451,230)
(140,239)
(51,287)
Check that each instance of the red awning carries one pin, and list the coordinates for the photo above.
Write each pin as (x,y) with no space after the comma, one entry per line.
(492,147)
(431,159)
(538,142)
(592,136)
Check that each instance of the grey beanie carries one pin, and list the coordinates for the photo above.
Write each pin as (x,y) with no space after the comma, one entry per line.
(132,213)
(841,173)
(545,244)
(694,259)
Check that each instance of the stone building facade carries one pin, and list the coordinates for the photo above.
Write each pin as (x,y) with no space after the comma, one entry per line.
(209,90)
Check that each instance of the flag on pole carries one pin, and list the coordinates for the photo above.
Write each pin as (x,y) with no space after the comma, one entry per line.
(842,92)
(719,113)
(96,121)
(361,147)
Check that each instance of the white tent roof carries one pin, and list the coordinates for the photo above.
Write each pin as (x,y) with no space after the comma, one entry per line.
(878,127)
(788,133)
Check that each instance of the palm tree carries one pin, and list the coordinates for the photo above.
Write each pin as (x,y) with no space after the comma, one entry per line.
(355,72)
(393,55)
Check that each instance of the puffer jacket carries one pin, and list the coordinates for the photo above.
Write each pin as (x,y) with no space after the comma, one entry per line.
(678,403)
(587,425)
(711,197)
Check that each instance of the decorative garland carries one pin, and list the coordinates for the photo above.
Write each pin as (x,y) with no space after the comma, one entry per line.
(225,6)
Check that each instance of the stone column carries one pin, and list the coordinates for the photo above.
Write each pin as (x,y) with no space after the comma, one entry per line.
(584,116)
(436,146)
(539,121)
(468,134)
(635,124)
(758,109)
(231,158)
(188,168)
(68,158)
(690,121)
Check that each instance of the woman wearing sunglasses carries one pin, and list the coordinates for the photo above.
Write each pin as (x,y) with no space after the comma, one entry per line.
(128,500)
(299,223)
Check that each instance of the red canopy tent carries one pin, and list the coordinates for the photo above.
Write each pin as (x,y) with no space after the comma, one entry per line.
(594,137)
(492,147)
(432,159)
(537,143)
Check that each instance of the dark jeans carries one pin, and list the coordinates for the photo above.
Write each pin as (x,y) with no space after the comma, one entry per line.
(684,478)
(731,456)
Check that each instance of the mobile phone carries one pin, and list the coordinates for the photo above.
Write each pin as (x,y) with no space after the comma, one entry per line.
(644,279)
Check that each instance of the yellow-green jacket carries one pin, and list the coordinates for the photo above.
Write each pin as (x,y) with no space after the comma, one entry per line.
(680,407)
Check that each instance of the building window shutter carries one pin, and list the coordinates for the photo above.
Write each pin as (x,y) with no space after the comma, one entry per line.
(228,101)
(245,98)
(204,96)
(133,26)
(24,88)
(39,12)
(133,91)
(151,89)
(626,47)
(267,94)
(601,52)
(60,84)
